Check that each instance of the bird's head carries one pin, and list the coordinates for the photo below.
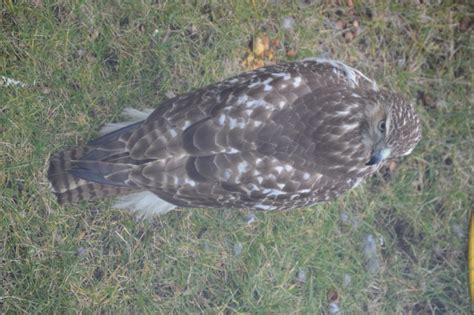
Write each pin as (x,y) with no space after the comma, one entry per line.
(390,128)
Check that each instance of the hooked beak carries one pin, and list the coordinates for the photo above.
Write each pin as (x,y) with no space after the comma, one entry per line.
(378,156)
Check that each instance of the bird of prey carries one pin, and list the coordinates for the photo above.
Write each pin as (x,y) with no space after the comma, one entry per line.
(280,137)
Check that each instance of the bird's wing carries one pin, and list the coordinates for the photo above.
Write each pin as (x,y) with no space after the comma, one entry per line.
(261,132)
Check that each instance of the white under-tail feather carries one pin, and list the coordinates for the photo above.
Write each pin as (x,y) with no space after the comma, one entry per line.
(144,204)
(133,115)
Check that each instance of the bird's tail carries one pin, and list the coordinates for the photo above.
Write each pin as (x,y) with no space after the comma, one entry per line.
(69,188)
(81,173)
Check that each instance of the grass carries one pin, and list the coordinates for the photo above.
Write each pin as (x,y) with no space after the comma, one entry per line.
(84,61)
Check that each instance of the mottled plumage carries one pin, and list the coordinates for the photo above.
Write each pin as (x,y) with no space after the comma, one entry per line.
(280,137)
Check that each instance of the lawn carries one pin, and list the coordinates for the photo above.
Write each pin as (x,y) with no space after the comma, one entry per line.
(394,245)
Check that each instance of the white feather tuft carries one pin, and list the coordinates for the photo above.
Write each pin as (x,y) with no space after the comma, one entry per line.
(111,127)
(144,204)
(133,115)
(353,75)
(137,115)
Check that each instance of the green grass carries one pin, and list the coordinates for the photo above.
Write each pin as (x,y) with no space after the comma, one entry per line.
(84,61)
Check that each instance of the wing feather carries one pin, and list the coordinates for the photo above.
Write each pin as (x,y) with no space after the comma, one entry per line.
(267,134)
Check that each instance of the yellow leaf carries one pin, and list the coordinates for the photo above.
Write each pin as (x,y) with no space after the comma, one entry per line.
(82,119)
(258,46)
(265,41)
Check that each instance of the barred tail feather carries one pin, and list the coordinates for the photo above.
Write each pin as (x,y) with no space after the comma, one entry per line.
(69,188)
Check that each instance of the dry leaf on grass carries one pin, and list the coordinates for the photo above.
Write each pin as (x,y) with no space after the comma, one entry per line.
(260,52)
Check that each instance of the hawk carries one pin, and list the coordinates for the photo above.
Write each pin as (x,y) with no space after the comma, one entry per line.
(280,137)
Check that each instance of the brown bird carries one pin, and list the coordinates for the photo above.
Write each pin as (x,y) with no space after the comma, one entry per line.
(280,137)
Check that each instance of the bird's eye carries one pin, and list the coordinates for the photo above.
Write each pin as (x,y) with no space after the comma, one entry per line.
(382,126)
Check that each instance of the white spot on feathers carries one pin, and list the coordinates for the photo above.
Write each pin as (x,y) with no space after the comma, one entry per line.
(267,87)
(273,192)
(252,85)
(236,123)
(242,99)
(231,150)
(286,76)
(264,207)
(242,166)
(357,182)
(190,182)
(408,152)
(187,123)
(173,132)
(297,81)
(227,175)
(254,104)
(341,113)
(253,187)
(353,169)
(221,119)
(348,127)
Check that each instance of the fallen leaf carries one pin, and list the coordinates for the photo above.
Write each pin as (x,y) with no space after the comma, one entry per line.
(258,46)
(260,52)
(465,23)
(349,36)
(392,166)
(340,25)
(426,100)
(258,64)
(37,3)
(333,296)
(93,34)
(269,54)
(291,53)
(82,119)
